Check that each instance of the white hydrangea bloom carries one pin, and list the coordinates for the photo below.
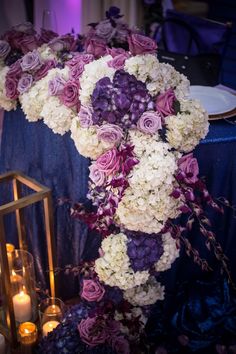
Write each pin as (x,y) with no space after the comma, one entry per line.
(86,140)
(145,294)
(92,73)
(5,102)
(171,252)
(113,268)
(189,126)
(57,116)
(147,203)
(32,101)
(158,77)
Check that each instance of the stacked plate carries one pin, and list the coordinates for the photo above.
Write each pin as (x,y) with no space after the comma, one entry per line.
(218,103)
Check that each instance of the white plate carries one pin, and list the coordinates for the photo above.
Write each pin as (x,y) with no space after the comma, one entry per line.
(214,100)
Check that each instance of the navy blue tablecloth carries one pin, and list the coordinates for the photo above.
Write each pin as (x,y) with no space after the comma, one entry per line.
(54,161)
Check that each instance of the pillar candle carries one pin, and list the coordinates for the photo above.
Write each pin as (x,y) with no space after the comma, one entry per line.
(22,307)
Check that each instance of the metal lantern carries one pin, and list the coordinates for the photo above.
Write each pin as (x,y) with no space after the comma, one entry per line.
(17,286)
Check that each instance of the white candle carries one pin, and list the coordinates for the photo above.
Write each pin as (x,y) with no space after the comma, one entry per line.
(22,307)
(49,326)
(2,344)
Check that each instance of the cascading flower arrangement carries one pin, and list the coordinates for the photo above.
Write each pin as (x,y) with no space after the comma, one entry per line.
(14,44)
(139,127)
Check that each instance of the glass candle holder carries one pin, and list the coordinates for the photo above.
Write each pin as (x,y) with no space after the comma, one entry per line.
(23,287)
(51,311)
(28,333)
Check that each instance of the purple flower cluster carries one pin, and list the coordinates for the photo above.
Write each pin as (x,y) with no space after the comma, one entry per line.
(143,250)
(121,101)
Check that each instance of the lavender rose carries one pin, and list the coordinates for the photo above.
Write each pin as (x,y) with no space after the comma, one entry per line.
(85,117)
(4,49)
(95,46)
(98,177)
(110,134)
(105,30)
(70,94)
(92,331)
(44,69)
(92,290)
(109,162)
(56,44)
(79,58)
(11,87)
(119,61)
(56,85)
(149,122)
(25,83)
(139,44)
(31,61)
(165,103)
(47,35)
(188,165)
(122,31)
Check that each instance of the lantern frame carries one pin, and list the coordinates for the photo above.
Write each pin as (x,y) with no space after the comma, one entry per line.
(40,193)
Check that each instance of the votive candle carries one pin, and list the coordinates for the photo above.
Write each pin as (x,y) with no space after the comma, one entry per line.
(28,333)
(49,327)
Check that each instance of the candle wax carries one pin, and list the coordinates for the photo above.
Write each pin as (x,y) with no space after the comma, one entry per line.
(22,307)
(49,326)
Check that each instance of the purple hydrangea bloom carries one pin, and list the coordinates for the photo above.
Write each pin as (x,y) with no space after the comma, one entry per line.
(120,102)
(143,249)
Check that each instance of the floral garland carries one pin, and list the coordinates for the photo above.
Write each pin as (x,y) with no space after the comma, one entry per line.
(131,115)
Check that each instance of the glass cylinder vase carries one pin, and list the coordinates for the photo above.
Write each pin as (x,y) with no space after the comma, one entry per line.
(51,311)
(23,287)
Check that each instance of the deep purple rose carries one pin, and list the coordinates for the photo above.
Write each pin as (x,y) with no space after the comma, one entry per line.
(188,165)
(109,162)
(28,43)
(56,85)
(119,61)
(139,44)
(69,42)
(114,52)
(76,71)
(165,103)
(92,290)
(85,117)
(96,46)
(47,35)
(110,134)
(31,61)
(105,30)
(11,84)
(25,83)
(120,345)
(15,69)
(44,69)
(70,94)
(97,176)
(92,331)
(4,49)
(149,122)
